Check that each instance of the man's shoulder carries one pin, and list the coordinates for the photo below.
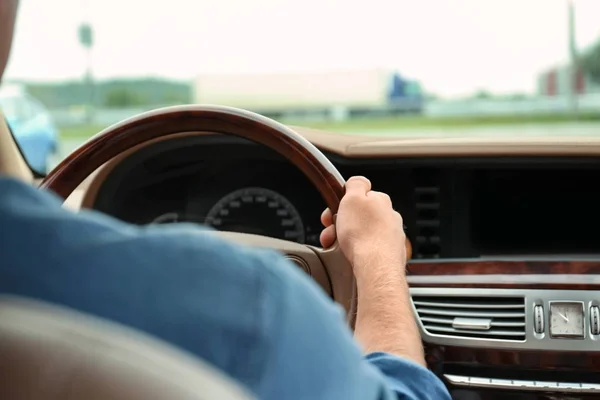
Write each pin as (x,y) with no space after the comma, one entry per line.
(180,283)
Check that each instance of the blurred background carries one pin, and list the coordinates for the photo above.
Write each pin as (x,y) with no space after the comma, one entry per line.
(386,67)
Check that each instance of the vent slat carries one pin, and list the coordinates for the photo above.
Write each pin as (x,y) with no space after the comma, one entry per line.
(429,223)
(428,239)
(427,190)
(428,207)
(505,316)
(480,313)
(491,332)
(448,321)
(453,304)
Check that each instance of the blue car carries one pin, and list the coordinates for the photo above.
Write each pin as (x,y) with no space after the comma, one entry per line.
(32,126)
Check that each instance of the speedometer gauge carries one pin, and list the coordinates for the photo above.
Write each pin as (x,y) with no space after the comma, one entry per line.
(259,211)
(166,218)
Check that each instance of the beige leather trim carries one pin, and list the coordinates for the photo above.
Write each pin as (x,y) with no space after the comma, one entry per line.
(51,352)
(76,199)
(477,146)
(358,146)
(11,162)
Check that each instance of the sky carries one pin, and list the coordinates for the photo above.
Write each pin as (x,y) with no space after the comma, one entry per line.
(453,47)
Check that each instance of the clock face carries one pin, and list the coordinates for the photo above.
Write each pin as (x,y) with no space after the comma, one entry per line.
(566,320)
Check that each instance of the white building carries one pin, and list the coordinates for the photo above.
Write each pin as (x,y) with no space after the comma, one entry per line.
(334,91)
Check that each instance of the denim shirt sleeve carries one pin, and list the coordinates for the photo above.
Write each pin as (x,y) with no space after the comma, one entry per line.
(314,356)
(408,380)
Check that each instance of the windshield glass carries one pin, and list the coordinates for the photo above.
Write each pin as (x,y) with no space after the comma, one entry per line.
(9,107)
(394,67)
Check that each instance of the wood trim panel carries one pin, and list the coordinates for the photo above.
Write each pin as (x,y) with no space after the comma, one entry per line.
(534,274)
(523,359)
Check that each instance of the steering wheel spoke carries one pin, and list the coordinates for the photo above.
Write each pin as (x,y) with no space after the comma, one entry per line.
(319,264)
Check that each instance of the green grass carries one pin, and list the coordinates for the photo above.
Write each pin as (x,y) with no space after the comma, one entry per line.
(388,124)
(79,132)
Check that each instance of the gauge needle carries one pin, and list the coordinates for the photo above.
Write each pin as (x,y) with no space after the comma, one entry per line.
(564,317)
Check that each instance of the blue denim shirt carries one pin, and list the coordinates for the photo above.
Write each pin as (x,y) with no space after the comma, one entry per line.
(249,312)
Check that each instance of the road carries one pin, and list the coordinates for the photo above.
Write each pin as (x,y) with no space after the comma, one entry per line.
(558,129)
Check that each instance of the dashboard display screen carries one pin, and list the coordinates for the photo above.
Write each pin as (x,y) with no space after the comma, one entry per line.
(543,212)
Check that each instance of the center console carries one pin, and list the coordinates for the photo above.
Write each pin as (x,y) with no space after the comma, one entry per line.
(510,309)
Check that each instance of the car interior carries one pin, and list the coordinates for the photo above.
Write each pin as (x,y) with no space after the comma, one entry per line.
(504,268)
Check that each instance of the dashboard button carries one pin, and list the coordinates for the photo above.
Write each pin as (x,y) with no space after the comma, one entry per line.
(538,319)
(595,320)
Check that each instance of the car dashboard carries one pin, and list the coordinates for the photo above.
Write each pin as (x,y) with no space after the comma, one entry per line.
(453,207)
(505,246)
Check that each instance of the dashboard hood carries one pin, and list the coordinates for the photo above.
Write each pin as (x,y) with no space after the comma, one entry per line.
(580,139)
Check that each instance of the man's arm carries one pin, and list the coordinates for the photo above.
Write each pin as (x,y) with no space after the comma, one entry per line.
(371,235)
(385,320)
(314,356)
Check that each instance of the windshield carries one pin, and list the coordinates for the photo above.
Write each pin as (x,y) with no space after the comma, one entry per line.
(393,67)
(10,107)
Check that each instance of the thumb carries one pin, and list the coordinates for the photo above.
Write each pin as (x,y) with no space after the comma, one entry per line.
(358,185)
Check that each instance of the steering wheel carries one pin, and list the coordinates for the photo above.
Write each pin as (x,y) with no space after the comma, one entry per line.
(328,267)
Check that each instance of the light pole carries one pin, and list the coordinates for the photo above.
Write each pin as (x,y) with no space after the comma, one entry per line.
(574,60)
(86,39)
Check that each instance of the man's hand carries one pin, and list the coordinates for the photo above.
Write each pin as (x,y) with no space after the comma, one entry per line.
(371,235)
(366,225)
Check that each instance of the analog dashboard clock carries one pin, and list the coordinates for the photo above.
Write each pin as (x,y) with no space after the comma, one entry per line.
(567,320)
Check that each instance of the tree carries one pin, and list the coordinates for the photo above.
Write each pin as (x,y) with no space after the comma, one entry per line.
(482,94)
(173,97)
(118,98)
(590,62)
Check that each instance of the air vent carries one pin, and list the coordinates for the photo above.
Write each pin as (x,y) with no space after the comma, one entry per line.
(472,317)
(426,241)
